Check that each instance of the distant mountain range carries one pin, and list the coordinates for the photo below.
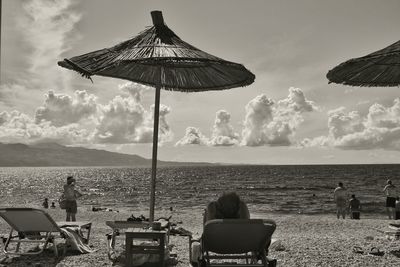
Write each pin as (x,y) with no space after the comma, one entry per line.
(53,154)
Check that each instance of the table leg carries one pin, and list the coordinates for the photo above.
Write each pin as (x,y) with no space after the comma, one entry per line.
(162,250)
(113,237)
(128,252)
(89,228)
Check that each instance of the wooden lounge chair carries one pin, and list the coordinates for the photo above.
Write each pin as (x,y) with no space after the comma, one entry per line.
(235,242)
(35,226)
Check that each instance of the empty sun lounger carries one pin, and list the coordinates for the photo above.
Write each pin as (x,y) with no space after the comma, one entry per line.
(242,240)
(35,226)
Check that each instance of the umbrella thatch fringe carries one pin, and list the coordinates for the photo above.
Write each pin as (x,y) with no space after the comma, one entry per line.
(80,70)
(380,68)
(138,59)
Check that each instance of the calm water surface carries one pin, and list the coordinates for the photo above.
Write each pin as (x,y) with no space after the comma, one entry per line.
(287,189)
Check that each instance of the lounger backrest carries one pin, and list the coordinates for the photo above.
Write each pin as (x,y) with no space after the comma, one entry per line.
(29,220)
(235,236)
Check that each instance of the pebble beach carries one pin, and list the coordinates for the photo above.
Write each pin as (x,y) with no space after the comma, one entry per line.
(304,240)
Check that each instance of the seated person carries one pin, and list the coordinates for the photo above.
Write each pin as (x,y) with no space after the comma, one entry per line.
(355,207)
(228,206)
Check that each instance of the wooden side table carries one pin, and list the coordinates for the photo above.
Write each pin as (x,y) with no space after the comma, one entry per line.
(132,234)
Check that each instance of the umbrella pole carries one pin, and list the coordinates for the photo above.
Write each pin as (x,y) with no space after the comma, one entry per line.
(1,5)
(155,146)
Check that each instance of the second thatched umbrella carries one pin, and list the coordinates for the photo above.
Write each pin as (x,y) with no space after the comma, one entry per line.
(380,68)
(159,58)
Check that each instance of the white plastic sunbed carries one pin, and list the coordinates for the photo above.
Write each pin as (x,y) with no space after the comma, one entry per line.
(35,226)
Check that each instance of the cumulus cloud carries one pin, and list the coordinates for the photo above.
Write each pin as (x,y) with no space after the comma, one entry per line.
(56,120)
(60,109)
(164,131)
(80,119)
(380,128)
(382,117)
(259,113)
(296,101)
(266,123)
(125,120)
(134,89)
(341,124)
(223,133)
(270,123)
(120,119)
(18,127)
(193,136)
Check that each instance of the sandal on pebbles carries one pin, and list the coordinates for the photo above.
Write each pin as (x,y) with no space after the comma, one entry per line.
(376,252)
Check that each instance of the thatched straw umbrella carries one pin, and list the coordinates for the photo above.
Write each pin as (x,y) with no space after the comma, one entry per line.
(380,68)
(159,58)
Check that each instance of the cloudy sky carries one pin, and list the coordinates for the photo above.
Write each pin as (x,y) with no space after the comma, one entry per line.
(289,115)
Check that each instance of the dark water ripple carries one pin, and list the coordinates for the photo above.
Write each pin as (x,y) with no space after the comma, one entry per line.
(289,189)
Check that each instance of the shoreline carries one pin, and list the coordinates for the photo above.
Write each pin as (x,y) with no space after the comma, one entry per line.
(272,189)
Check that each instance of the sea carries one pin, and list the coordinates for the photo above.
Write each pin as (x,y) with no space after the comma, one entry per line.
(306,189)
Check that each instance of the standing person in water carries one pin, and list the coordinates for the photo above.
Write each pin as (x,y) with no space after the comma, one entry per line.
(340,197)
(45,203)
(355,207)
(390,192)
(71,195)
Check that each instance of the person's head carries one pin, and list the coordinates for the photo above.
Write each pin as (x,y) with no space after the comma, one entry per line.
(389,181)
(228,205)
(46,199)
(70,180)
(340,184)
(353,196)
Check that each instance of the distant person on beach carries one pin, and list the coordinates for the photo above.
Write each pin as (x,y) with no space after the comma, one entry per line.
(71,195)
(53,205)
(228,206)
(390,192)
(340,197)
(354,207)
(45,203)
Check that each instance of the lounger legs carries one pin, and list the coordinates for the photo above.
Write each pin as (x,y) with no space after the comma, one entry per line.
(88,234)
(7,241)
(37,239)
(55,248)
(55,243)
